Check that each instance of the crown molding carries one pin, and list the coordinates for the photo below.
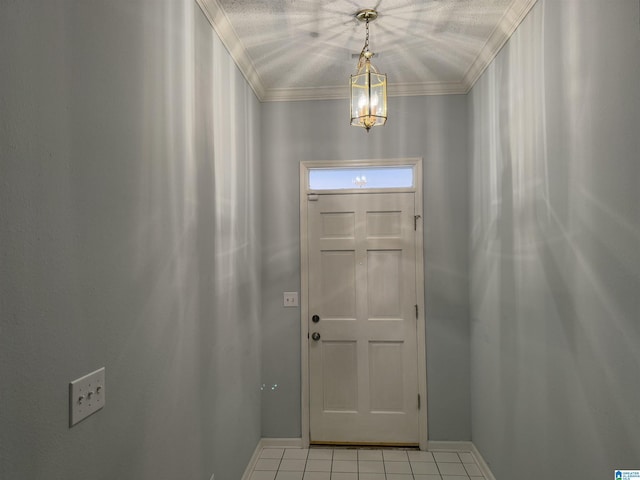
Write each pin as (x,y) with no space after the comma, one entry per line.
(508,24)
(342,92)
(500,35)
(306,93)
(426,88)
(222,26)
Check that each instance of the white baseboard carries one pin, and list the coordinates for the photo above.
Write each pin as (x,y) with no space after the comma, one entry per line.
(432,446)
(281,443)
(269,443)
(450,446)
(482,465)
(252,461)
(464,447)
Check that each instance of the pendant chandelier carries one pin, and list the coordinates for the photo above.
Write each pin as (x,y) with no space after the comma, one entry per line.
(368,87)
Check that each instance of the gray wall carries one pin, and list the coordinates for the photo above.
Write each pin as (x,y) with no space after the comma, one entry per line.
(130,153)
(129,182)
(555,231)
(434,128)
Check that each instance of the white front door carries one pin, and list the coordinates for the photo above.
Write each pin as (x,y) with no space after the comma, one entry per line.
(363,362)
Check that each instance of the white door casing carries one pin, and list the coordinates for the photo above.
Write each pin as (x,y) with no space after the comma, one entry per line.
(362,276)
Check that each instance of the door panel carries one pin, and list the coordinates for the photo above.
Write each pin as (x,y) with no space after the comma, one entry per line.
(338,285)
(340,391)
(385,361)
(363,367)
(384,267)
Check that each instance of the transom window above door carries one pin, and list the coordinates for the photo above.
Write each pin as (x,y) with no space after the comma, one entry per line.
(365,177)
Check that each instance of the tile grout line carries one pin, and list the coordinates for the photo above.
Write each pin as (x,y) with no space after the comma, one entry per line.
(413,476)
(305,464)
(280,463)
(307,458)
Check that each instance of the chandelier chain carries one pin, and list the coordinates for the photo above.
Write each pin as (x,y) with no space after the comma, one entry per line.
(366,40)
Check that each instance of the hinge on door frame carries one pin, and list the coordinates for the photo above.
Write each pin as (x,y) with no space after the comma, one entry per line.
(418,401)
(415,221)
(416,310)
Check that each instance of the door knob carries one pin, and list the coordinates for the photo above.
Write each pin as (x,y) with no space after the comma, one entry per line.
(315,319)
(315,336)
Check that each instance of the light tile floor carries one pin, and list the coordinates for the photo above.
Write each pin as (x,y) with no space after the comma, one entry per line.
(364,464)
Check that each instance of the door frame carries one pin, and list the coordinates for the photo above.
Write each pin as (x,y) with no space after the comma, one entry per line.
(305,166)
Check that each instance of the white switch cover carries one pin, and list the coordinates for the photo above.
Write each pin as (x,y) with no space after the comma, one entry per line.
(86,396)
(290,299)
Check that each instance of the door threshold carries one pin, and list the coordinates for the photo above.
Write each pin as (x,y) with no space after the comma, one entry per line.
(365,445)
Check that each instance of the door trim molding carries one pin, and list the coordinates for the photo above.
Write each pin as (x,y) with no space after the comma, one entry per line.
(416,163)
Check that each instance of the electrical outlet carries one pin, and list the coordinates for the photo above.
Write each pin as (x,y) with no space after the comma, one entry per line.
(290,299)
(86,396)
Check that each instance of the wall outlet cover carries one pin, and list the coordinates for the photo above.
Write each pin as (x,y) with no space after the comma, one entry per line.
(290,299)
(87,395)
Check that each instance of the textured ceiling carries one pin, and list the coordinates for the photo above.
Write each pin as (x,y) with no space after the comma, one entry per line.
(304,49)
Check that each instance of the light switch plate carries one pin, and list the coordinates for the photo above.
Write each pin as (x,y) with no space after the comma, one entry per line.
(290,299)
(86,396)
